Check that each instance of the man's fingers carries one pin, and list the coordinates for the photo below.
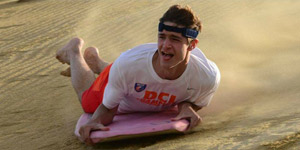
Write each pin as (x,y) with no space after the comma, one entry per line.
(179,117)
(175,119)
(194,122)
(191,125)
(86,134)
(81,133)
(99,127)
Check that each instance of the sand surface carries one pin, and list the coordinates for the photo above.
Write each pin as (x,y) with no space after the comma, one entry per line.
(255,43)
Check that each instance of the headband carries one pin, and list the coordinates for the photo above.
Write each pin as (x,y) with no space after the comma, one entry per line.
(186,32)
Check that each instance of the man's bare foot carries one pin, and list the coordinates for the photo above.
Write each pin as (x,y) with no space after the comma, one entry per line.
(66,72)
(74,44)
(91,56)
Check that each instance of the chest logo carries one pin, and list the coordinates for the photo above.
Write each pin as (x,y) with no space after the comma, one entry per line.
(157,99)
(139,87)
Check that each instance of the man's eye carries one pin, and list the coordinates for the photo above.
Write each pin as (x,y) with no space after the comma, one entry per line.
(174,39)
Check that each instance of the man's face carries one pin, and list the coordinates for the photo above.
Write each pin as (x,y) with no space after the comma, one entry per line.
(172,47)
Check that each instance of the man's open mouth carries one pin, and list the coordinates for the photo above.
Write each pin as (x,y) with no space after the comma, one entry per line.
(167,55)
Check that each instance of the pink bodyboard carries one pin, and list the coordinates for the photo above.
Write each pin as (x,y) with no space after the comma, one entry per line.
(135,125)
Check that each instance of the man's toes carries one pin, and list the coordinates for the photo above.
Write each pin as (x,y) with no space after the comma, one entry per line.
(58,57)
(66,72)
(60,60)
(91,52)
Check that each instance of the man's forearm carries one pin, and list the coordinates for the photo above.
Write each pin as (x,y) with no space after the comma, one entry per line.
(104,115)
(186,104)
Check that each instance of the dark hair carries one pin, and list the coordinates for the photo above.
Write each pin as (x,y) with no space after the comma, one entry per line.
(182,16)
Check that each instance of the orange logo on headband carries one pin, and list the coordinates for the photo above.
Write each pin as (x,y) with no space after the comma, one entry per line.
(152,98)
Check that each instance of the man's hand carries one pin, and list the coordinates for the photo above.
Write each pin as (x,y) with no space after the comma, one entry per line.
(102,116)
(86,129)
(187,111)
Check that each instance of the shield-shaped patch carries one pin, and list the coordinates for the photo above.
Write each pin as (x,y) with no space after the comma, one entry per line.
(139,87)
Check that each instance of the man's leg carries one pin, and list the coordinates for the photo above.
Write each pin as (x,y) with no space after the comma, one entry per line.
(82,76)
(91,57)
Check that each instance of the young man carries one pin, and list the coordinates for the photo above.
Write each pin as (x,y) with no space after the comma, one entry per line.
(149,77)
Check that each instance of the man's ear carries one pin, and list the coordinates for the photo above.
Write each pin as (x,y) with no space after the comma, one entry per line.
(193,44)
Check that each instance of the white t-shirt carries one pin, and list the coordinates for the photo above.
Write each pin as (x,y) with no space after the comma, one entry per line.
(134,85)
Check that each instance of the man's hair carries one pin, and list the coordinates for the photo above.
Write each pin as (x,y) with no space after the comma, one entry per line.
(183,16)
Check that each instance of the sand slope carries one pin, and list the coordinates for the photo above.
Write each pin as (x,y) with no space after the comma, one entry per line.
(256,45)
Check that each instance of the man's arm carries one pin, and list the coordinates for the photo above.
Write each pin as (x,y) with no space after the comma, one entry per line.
(102,116)
(187,110)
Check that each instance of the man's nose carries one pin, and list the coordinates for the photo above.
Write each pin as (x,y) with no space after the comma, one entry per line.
(167,43)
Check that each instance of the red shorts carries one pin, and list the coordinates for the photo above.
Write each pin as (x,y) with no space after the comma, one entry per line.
(92,97)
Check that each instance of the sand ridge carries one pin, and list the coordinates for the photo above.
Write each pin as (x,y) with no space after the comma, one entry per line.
(254,43)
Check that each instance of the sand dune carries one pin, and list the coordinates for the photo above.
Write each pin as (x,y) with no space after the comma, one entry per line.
(254,43)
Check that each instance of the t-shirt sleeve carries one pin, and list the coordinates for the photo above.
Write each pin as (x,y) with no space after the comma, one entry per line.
(204,99)
(115,89)
(204,96)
